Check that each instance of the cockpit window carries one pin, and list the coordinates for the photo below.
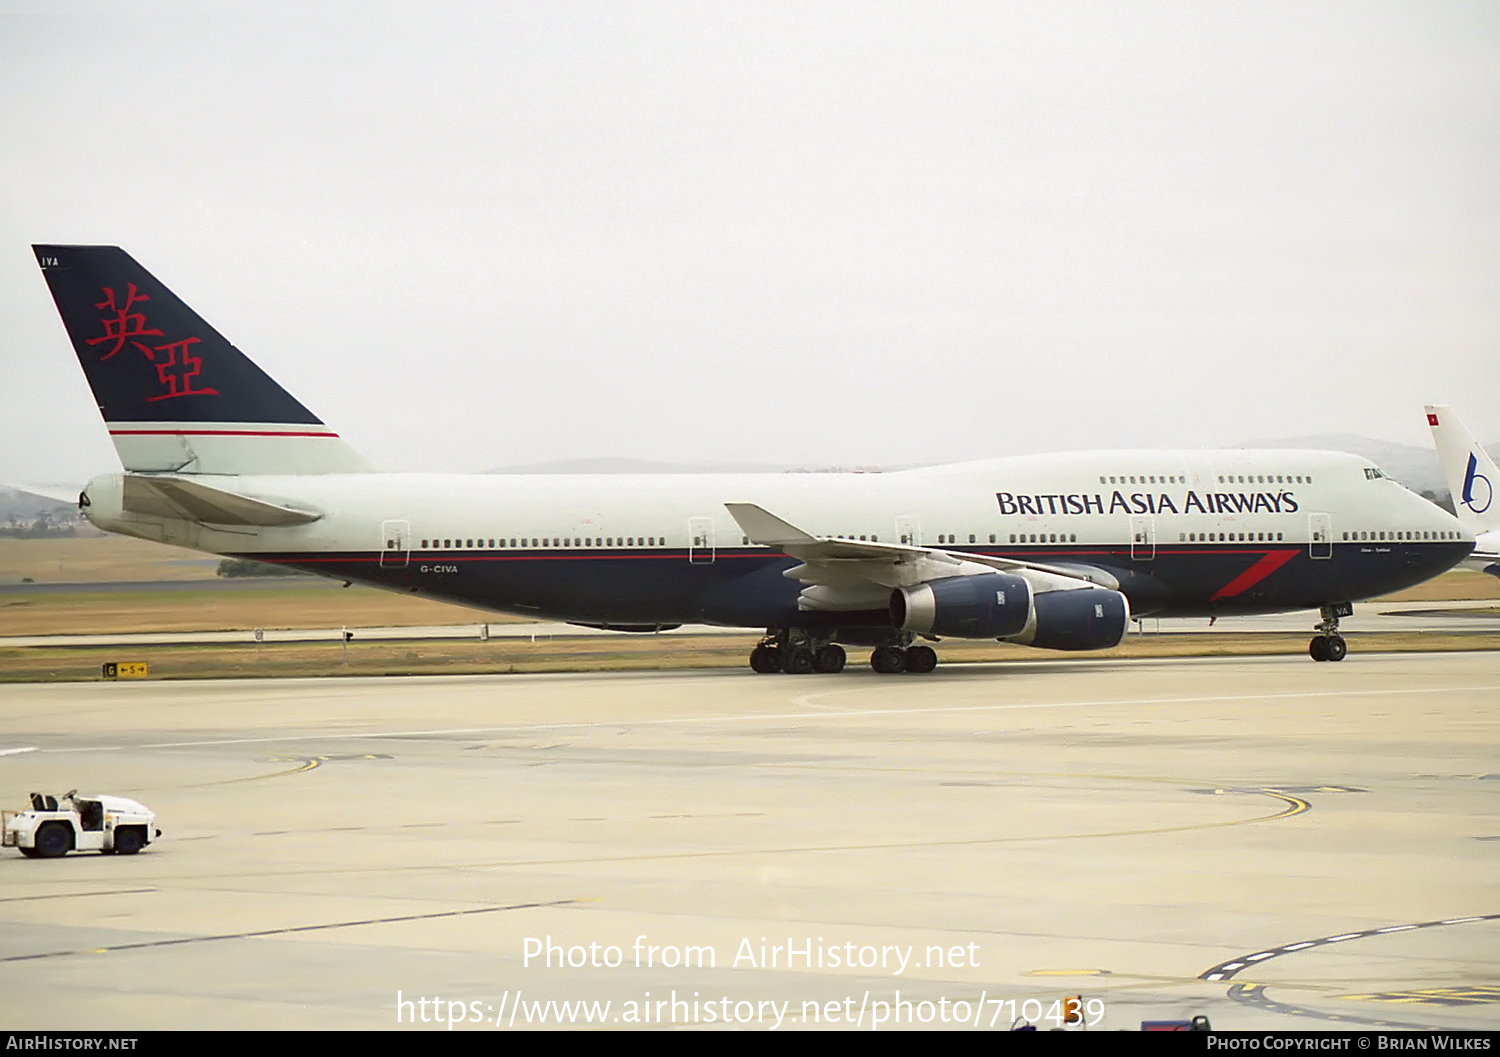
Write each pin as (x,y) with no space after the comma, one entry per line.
(1373,474)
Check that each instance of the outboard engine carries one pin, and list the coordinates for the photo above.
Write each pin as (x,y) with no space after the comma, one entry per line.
(1091,618)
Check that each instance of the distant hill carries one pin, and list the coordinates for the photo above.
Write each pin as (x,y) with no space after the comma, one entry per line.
(19,507)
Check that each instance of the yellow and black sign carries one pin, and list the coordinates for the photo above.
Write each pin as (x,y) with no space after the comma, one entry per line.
(126,670)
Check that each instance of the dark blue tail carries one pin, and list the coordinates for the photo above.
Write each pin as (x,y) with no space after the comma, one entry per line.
(148,356)
(174,393)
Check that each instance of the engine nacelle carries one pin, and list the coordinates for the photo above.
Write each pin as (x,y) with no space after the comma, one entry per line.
(1092,618)
(985,606)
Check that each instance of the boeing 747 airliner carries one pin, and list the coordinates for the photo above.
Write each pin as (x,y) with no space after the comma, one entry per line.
(1057,552)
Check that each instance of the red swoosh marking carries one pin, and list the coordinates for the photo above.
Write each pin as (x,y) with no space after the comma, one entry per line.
(1272,561)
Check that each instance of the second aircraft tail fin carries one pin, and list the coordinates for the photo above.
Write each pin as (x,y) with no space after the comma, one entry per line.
(1468,468)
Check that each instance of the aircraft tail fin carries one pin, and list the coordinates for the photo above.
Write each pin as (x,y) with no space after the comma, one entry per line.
(1469,470)
(176,396)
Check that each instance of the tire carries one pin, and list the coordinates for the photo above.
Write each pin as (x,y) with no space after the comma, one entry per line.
(1317,649)
(765,659)
(887,660)
(1335,648)
(921,659)
(829,659)
(53,840)
(129,840)
(799,662)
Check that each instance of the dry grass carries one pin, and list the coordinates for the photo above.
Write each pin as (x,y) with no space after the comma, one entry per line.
(617,653)
(295,604)
(101,559)
(301,602)
(1456,586)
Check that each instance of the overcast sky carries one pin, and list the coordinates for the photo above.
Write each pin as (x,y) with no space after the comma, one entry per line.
(469,234)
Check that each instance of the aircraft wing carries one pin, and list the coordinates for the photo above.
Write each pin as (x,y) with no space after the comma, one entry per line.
(841,573)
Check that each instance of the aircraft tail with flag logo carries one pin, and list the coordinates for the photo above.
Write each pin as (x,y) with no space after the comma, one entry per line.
(1472,478)
(176,396)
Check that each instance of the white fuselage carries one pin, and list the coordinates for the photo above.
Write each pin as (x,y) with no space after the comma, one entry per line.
(1119,508)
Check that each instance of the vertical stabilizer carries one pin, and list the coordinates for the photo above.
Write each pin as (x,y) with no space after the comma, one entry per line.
(175,395)
(1469,470)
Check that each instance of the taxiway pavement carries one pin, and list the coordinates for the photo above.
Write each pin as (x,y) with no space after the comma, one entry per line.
(1269,842)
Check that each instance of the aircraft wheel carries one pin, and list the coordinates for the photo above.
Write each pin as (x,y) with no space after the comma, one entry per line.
(1335,648)
(1317,649)
(53,840)
(765,659)
(887,660)
(921,659)
(829,659)
(799,662)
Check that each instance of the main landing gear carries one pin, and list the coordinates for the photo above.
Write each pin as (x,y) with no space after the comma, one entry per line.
(1328,645)
(798,652)
(888,660)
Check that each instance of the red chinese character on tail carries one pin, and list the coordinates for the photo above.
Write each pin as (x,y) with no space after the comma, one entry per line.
(124,324)
(177,367)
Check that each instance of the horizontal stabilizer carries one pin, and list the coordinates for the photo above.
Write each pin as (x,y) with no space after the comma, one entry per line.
(175,497)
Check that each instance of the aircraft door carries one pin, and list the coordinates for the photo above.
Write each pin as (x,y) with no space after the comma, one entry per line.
(1142,537)
(1319,536)
(701,540)
(395,544)
(909,530)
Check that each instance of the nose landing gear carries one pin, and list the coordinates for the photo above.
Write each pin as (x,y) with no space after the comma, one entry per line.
(1328,645)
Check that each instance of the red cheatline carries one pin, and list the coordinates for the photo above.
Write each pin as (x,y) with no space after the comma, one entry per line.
(212,433)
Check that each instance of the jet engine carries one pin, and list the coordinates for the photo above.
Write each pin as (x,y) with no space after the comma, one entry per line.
(1005,606)
(986,606)
(1091,618)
